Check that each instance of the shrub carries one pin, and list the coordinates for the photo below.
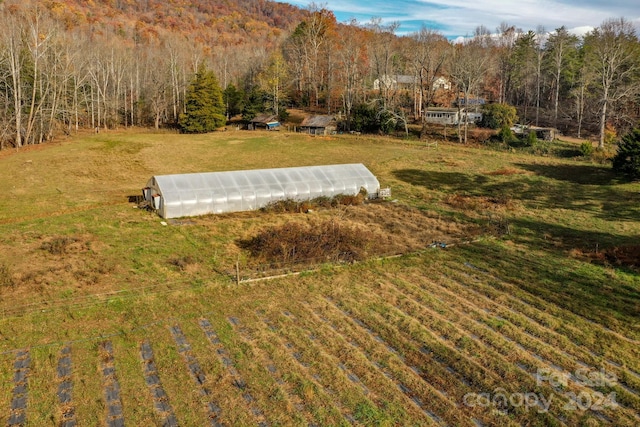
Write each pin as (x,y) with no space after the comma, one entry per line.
(506,135)
(610,134)
(627,160)
(481,136)
(324,202)
(586,148)
(372,119)
(603,155)
(283,206)
(541,146)
(363,119)
(497,116)
(283,114)
(349,199)
(352,199)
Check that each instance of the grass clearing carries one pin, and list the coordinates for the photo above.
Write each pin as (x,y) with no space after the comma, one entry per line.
(536,271)
(43,386)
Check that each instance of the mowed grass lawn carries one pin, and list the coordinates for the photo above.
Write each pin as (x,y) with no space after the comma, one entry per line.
(156,328)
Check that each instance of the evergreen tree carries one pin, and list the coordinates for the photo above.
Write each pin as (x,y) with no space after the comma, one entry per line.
(254,104)
(203,104)
(496,116)
(627,160)
(234,100)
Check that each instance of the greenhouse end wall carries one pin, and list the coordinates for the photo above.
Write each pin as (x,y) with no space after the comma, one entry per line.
(181,195)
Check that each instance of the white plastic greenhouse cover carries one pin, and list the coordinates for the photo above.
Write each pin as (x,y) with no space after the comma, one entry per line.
(181,195)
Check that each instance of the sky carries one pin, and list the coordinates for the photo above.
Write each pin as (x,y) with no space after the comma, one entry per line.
(459,18)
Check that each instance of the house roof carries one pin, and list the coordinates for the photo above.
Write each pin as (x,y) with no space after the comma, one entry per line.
(397,79)
(405,79)
(318,121)
(441,110)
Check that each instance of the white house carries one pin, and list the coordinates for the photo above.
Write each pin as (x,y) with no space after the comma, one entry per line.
(450,116)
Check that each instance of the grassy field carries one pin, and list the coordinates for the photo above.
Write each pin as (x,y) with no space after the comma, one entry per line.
(529,316)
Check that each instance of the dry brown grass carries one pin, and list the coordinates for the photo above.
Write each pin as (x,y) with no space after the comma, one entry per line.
(348,233)
(50,267)
(481,135)
(6,277)
(506,171)
(183,263)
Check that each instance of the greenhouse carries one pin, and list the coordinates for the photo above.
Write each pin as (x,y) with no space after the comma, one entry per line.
(181,195)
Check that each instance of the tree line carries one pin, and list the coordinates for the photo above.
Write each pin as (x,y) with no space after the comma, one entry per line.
(57,78)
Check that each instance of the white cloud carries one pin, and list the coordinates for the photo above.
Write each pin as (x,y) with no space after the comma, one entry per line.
(457,18)
(581,31)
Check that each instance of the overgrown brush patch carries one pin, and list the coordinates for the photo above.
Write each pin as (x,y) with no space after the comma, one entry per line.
(627,256)
(317,241)
(58,245)
(303,206)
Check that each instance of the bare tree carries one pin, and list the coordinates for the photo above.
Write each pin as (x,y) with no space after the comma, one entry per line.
(180,76)
(504,45)
(559,46)
(351,50)
(27,43)
(539,48)
(469,65)
(384,57)
(308,43)
(428,58)
(612,52)
(11,38)
(273,79)
(294,53)
(583,78)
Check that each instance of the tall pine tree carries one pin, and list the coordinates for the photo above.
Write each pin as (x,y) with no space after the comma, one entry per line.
(204,107)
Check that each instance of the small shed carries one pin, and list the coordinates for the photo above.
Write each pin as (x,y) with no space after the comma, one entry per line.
(545,134)
(319,125)
(264,121)
(542,133)
(192,194)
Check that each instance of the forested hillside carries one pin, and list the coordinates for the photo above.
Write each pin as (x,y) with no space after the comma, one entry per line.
(223,23)
(68,65)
